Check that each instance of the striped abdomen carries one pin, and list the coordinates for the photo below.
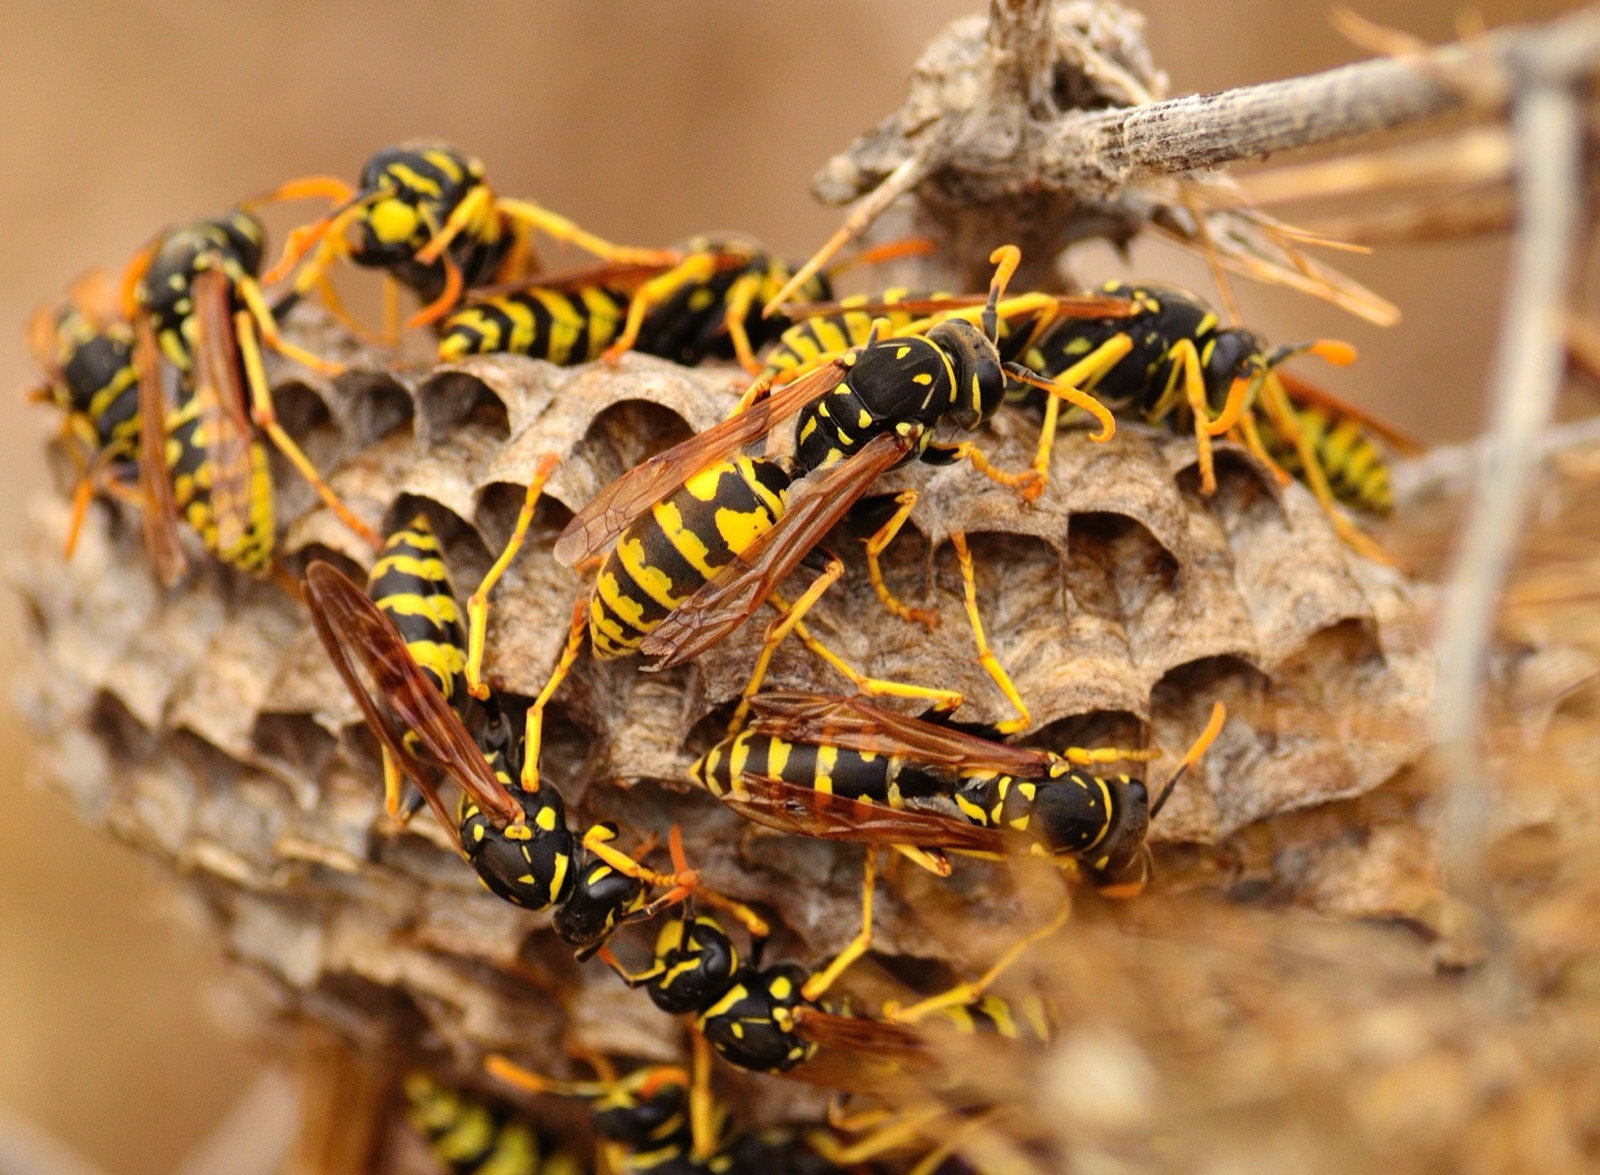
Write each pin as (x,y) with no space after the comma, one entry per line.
(828,334)
(468,1137)
(563,328)
(190,469)
(1020,1019)
(882,779)
(1356,471)
(673,550)
(1069,813)
(411,585)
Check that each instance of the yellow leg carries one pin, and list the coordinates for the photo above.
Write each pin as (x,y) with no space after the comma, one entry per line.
(1194,386)
(393,785)
(817,986)
(449,297)
(1252,442)
(779,628)
(562,229)
(740,299)
(1238,398)
(697,267)
(894,1132)
(941,699)
(478,602)
(391,311)
(250,293)
(702,1104)
(474,206)
(1287,422)
(534,729)
(906,501)
(965,993)
(1097,756)
(986,657)
(752,922)
(266,419)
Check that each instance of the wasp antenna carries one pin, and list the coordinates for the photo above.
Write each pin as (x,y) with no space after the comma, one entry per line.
(1219,715)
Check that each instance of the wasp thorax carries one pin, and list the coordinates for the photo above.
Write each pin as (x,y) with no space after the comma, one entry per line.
(529,863)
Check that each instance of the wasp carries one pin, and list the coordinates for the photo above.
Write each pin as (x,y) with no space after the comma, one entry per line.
(85,349)
(772,1019)
(663,1120)
(707,306)
(472,1137)
(515,838)
(844,769)
(195,303)
(699,536)
(424,213)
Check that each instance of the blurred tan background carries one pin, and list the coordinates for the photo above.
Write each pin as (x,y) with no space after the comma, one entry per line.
(644,121)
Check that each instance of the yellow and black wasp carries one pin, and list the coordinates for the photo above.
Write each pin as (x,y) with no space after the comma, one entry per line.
(707,306)
(469,1136)
(844,769)
(772,1019)
(195,303)
(85,349)
(424,213)
(699,537)
(661,1120)
(515,838)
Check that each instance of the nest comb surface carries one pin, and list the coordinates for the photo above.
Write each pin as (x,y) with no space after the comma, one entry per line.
(205,725)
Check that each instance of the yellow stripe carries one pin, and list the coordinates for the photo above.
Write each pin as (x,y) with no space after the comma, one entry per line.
(427,567)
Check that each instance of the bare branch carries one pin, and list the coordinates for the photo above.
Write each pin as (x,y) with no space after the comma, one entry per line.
(1547,122)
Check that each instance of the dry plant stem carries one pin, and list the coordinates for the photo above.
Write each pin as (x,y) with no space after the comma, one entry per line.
(1104,151)
(1548,129)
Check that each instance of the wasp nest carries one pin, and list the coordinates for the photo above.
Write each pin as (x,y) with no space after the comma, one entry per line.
(206,726)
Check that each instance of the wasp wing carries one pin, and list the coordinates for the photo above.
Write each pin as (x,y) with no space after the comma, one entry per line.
(221,407)
(735,592)
(401,698)
(599,523)
(857,1033)
(158,514)
(804,811)
(855,724)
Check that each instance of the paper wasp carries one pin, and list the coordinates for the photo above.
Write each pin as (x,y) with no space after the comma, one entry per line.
(516,839)
(195,304)
(424,213)
(771,1019)
(707,306)
(85,349)
(844,769)
(469,1136)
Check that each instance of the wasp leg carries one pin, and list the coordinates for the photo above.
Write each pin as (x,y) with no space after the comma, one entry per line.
(986,658)
(1086,372)
(748,918)
(905,502)
(781,625)
(261,411)
(1287,422)
(1252,442)
(478,602)
(267,325)
(1194,385)
(697,267)
(890,1131)
(393,785)
(940,699)
(965,993)
(1089,757)
(534,729)
(740,299)
(702,1103)
(561,229)
(817,986)
(448,297)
